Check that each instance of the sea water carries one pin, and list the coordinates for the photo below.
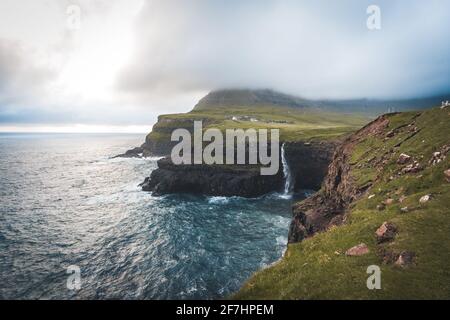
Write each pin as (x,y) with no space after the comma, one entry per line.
(64,202)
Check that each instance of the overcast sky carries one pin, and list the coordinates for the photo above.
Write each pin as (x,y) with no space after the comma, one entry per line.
(131,60)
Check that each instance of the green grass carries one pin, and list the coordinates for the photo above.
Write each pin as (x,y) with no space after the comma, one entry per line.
(317,268)
(294,124)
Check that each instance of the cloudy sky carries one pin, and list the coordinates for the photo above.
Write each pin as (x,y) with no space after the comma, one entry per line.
(114,65)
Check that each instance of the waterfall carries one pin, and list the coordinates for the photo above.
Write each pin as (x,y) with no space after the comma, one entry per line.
(286,172)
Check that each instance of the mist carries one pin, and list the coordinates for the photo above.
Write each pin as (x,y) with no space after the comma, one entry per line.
(131,61)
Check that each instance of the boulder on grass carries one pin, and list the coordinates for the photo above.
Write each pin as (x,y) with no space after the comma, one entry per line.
(386,232)
(447,175)
(359,250)
(403,158)
(412,168)
(405,259)
(425,198)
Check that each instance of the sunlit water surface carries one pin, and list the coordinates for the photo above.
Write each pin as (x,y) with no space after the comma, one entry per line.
(65,202)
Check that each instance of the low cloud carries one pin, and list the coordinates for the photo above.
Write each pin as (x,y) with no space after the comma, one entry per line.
(131,61)
(315,49)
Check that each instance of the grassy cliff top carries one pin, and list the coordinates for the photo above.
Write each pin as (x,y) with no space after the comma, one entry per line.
(294,123)
(298,119)
(318,268)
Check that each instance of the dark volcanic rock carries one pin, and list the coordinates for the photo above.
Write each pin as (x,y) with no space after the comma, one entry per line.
(388,256)
(402,259)
(405,259)
(223,180)
(132,153)
(309,162)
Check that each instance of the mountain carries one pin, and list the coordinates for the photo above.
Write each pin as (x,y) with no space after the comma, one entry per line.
(298,119)
(380,106)
(232,98)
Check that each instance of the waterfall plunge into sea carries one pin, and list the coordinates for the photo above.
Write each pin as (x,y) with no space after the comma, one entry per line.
(286,172)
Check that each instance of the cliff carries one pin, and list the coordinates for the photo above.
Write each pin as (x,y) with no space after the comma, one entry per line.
(310,136)
(384,202)
(327,207)
(212,180)
(298,119)
(309,163)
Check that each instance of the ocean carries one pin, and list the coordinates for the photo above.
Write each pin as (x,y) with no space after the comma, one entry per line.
(64,202)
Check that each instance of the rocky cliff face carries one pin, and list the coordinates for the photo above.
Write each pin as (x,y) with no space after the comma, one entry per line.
(389,183)
(156,148)
(308,163)
(245,109)
(308,153)
(212,180)
(158,142)
(327,207)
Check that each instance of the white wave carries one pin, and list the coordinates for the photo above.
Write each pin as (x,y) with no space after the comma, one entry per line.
(131,159)
(132,187)
(281,240)
(285,196)
(279,221)
(218,200)
(151,158)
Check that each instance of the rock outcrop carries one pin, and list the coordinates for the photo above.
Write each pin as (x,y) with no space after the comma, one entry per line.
(386,232)
(132,153)
(425,198)
(405,259)
(327,207)
(212,180)
(308,163)
(404,158)
(356,251)
(447,175)
(157,142)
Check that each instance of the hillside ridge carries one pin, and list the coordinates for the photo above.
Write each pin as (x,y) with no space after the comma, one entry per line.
(384,202)
(248,98)
(232,98)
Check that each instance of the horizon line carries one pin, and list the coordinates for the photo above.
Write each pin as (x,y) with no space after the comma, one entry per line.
(76,128)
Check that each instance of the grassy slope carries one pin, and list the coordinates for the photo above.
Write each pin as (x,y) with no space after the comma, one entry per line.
(301,124)
(317,267)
